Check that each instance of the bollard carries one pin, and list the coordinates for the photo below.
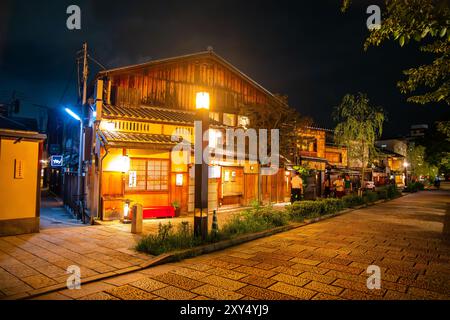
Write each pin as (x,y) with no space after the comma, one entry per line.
(136,222)
(215,224)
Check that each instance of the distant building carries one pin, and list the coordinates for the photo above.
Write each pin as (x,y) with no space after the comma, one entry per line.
(396,145)
(418,130)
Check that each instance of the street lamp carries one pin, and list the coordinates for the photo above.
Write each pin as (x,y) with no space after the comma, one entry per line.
(80,153)
(405,165)
(201,168)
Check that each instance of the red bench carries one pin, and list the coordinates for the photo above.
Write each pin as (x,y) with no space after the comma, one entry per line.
(158,212)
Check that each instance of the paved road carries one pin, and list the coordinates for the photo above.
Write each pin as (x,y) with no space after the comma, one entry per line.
(326,260)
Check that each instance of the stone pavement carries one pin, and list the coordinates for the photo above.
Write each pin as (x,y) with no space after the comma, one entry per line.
(36,262)
(326,260)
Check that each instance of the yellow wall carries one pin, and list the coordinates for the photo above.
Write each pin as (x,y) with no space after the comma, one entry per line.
(18,196)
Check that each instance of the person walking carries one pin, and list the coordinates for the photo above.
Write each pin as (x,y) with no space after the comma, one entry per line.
(327,187)
(437,182)
(348,184)
(296,187)
(339,187)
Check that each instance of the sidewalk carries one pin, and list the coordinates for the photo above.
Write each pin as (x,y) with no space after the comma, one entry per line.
(33,263)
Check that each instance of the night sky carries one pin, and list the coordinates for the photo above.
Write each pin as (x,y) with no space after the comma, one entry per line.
(308,50)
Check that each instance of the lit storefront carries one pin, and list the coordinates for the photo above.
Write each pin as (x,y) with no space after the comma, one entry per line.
(143,112)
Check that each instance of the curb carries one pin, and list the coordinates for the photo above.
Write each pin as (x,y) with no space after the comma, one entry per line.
(192,252)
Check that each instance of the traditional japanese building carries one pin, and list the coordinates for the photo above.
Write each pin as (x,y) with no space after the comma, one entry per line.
(143,111)
(318,153)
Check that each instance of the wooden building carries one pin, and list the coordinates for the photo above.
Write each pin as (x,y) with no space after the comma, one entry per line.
(141,108)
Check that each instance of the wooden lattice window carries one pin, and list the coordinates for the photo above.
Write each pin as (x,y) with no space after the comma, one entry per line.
(148,175)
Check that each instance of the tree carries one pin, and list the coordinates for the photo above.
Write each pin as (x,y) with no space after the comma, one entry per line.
(427,22)
(437,146)
(360,124)
(278,115)
(419,166)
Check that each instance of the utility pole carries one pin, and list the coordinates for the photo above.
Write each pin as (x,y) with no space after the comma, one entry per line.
(85,73)
(82,138)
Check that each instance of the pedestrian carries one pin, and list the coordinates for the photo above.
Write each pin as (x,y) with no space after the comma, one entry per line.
(437,182)
(339,186)
(296,187)
(327,187)
(348,184)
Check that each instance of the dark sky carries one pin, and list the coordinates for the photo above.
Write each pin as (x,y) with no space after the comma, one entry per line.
(308,50)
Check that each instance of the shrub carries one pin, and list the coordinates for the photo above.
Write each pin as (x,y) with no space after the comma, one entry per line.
(168,239)
(242,224)
(414,187)
(351,201)
(304,209)
(332,206)
(382,194)
(392,191)
(370,197)
(271,216)
(312,209)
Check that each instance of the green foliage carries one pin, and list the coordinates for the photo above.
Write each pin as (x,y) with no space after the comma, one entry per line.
(418,165)
(428,22)
(176,204)
(255,219)
(168,239)
(392,192)
(370,197)
(414,187)
(359,125)
(437,146)
(382,194)
(351,201)
(301,210)
(304,209)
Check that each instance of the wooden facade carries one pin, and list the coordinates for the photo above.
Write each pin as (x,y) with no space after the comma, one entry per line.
(140,107)
(173,83)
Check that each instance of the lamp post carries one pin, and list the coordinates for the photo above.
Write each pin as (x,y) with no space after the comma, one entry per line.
(80,153)
(201,167)
(405,165)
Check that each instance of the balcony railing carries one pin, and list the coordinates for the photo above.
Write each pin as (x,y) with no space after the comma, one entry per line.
(308,153)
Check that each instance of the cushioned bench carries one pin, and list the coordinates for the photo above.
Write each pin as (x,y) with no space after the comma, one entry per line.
(158,212)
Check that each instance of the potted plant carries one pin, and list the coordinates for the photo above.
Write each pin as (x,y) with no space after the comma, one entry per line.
(176,206)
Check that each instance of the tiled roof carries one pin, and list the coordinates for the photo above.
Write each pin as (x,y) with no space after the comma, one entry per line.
(130,137)
(153,114)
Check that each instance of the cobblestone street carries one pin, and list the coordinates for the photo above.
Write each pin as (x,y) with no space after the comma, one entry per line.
(407,238)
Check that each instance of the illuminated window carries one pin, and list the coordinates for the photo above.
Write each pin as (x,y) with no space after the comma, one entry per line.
(148,175)
(157,175)
(137,175)
(229,119)
(214,116)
